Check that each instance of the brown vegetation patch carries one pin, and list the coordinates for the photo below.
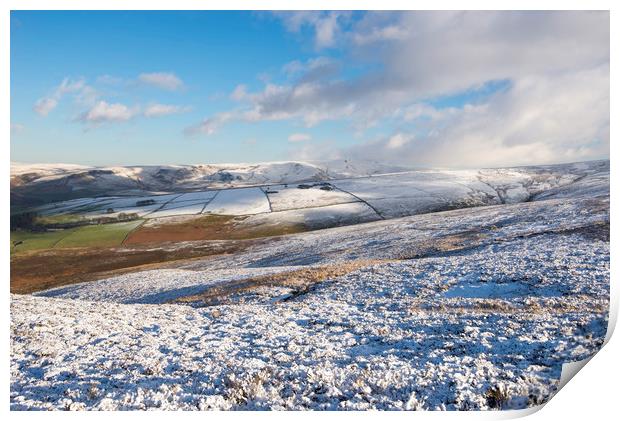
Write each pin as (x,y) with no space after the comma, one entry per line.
(40,270)
(594,232)
(533,307)
(445,244)
(207,227)
(301,281)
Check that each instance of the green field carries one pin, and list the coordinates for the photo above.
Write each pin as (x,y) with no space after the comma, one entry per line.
(104,235)
(36,240)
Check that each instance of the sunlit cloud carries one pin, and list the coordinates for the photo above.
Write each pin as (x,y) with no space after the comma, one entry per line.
(103,112)
(299,137)
(159,110)
(162,80)
(83,92)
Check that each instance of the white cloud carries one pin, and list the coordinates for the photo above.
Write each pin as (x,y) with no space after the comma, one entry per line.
(539,120)
(159,110)
(549,56)
(446,53)
(397,141)
(99,111)
(326,30)
(83,93)
(299,137)
(421,110)
(391,32)
(324,24)
(314,69)
(103,112)
(239,93)
(163,80)
(210,125)
(44,106)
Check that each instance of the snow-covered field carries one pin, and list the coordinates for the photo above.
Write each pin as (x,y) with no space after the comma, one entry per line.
(317,217)
(288,197)
(238,202)
(185,204)
(474,308)
(140,205)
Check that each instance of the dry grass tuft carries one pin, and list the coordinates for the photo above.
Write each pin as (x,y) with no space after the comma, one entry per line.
(497,396)
(446,244)
(301,281)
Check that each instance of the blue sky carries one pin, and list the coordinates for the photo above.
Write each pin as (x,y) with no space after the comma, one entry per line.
(124,88)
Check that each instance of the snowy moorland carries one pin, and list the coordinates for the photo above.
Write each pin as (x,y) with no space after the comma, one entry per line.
(472,308)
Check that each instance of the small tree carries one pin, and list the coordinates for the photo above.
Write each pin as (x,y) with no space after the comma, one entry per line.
(23,220)
(145,202)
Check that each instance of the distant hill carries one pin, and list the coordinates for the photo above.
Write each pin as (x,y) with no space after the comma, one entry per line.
(34,184)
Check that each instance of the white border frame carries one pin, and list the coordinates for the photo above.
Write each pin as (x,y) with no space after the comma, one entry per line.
(597,385)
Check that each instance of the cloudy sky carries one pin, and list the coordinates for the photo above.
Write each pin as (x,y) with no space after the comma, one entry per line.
(431,89)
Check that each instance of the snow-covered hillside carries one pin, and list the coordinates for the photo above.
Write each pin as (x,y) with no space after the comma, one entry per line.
(473,308)
(340,201)
(43,183)
(44,170)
